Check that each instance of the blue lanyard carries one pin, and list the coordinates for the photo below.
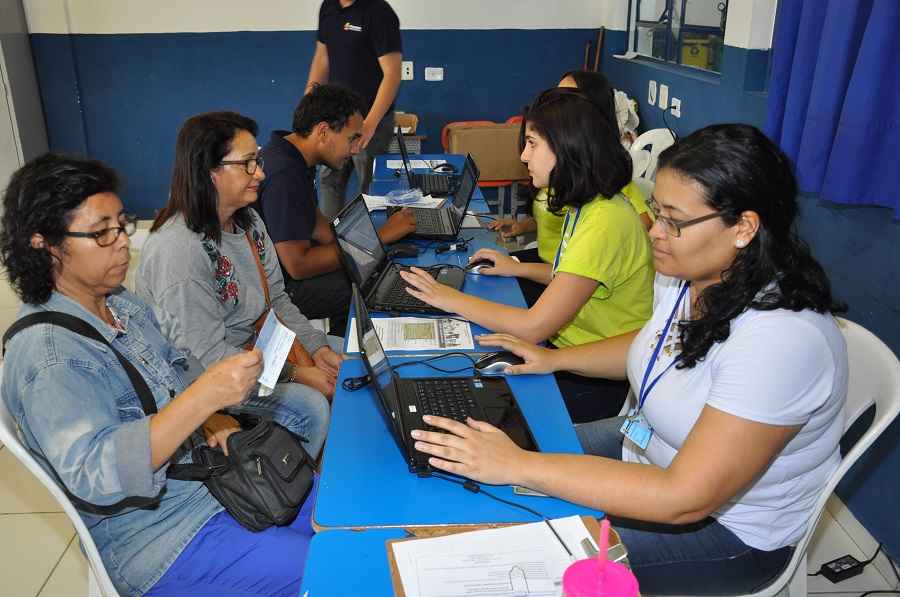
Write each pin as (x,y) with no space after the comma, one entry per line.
(563,237)
(645,389)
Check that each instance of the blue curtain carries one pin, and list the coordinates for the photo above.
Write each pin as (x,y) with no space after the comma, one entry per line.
(834,97)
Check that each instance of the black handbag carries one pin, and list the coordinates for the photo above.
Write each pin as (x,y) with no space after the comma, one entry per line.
(263,481)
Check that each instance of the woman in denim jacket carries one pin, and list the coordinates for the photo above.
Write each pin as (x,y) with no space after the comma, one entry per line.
(63,248)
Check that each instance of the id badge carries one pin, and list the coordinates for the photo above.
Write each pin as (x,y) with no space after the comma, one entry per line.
(637,429)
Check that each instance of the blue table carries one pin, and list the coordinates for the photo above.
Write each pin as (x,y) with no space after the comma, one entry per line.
(350,563)
(365,482)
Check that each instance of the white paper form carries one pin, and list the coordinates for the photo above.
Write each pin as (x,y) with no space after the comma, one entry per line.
(417,333)
(275,341)
(374,202)
(508,562)
(414,164)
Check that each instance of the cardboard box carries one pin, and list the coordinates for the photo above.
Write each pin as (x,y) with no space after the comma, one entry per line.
(495,148)
(407,121)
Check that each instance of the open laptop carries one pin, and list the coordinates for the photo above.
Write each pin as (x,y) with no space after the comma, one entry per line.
(367,264)
(444,223)
(437,185)
(405,400)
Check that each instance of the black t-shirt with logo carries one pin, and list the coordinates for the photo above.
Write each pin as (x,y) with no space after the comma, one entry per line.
(356,37)
(287,195)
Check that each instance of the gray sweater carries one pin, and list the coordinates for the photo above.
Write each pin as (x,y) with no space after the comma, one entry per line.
(207,297)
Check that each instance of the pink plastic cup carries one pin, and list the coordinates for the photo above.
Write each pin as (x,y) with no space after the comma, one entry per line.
(585,578)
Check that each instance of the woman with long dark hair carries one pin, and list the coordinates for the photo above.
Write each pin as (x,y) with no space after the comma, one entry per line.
(740,380)
(202,270)
(599,282)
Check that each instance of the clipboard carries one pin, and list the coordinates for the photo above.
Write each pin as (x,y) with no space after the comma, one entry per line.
(590,522)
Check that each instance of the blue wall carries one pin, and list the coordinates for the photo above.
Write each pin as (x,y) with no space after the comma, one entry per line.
(859,247)
(122,98)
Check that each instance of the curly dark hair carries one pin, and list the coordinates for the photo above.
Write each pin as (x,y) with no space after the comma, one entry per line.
(40,199)
(202,143)
(590,159)
(740,169)
(332,104)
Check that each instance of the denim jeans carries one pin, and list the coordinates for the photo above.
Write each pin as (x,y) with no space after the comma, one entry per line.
(702,558)
(333,183)
(301,409)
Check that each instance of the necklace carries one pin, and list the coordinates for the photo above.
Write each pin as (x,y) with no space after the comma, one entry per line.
(672,342)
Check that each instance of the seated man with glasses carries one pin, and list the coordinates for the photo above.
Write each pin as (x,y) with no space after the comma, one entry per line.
(326,130)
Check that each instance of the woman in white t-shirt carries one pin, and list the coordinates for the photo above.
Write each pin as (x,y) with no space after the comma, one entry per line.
(741,376)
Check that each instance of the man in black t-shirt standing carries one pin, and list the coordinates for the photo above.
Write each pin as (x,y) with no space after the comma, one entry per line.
(359,47)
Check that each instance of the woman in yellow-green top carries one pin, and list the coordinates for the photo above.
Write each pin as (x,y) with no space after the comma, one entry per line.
(549,225)
(600,282)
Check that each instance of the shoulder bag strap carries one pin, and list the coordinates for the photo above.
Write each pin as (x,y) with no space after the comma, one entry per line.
(81,327)
(259,266)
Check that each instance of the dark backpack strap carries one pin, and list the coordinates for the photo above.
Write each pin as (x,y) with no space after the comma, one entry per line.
(80,326)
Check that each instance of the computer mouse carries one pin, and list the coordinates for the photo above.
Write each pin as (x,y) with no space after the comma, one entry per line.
(495,363)
(445,168)
(476,265)
(403,250)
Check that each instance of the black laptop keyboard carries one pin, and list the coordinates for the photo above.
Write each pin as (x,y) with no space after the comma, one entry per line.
(429,221)
(450,398)
(397,296)
(433,184)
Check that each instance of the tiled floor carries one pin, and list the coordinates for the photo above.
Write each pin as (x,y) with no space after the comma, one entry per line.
(39,544)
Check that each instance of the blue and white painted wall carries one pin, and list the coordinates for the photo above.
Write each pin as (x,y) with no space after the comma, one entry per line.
(119,77)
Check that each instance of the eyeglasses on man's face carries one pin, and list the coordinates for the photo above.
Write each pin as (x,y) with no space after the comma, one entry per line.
(107,236)
(250,164)
(672,226)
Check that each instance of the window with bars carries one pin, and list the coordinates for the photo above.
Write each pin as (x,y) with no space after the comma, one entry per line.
(686,32)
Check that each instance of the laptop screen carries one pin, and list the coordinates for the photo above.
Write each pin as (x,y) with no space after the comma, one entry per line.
(379,368)
(359,242)
(403,154)
(467,182)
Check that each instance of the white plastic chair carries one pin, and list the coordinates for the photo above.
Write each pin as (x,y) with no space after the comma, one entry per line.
(874,379)
(657,140)
(99,584)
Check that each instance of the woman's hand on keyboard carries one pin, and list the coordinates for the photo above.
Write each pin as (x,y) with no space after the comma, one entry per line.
(537,358)
(476,450)
(428,290)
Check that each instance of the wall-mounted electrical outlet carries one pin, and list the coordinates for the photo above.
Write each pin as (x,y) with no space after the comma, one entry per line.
(406,70)
(434,73)
(675,107)
(663,97)
(651,93)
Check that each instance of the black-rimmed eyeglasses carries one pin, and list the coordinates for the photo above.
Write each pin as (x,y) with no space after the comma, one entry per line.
(108,236)
(672,226)
(250,164)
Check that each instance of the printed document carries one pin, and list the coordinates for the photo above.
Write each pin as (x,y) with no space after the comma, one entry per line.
(417,333)
(275,341)
(512,561)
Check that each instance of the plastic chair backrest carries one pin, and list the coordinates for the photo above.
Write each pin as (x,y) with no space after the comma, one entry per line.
(657,140)
(874,379)
(99,584)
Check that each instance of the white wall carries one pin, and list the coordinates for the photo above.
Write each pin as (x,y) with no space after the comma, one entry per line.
(165,16)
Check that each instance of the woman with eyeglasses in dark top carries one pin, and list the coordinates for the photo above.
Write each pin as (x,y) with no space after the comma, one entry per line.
(740,380)
(599,283)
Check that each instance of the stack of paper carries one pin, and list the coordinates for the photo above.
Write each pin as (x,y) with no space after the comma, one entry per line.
(374,202)
(418,333)
(512,561)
